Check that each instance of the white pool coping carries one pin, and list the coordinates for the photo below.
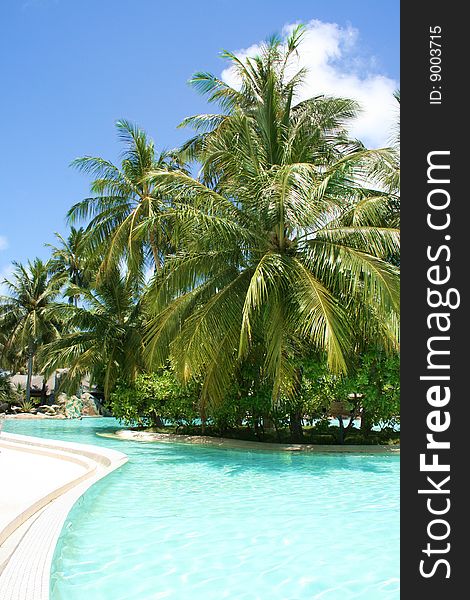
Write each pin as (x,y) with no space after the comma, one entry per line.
(28,540)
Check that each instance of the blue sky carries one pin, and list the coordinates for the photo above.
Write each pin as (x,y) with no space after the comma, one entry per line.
(71,68)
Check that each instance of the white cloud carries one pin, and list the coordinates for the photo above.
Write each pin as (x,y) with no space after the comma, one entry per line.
(3,242)
(5,273)
(337,67)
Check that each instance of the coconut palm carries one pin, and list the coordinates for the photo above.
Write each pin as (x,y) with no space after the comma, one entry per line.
(386,172)
(104,339)
(69,262)
(122,197)
(29,315)
(11,357)
(280,240)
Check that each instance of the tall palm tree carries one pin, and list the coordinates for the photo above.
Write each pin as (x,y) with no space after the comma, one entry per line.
(104,339)
(386,171)
(69,262)
(280,240)
(11,356)
(29,315)
(122,197)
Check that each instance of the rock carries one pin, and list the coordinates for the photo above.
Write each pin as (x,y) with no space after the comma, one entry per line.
(73,407)
(62,399)
(89,406)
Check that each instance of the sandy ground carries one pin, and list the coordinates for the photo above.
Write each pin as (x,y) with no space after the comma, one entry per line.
(30,416)
(146,436)
(43,416)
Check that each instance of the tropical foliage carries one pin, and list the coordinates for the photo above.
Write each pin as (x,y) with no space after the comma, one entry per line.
(7,393)
(103,338)
(280,242)
(123,197)
(29,315)
(153,398)
(70,264)
(249,277)
(372,392)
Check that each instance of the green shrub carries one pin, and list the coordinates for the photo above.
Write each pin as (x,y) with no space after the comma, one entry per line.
(378,379)
(153,398)
(322,438)
(26,406)
(9,395)
(322,426)
(375,378)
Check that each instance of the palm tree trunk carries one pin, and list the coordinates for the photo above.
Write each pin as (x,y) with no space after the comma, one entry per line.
(366,423)
(202,416)
(341,430)
(29,375)
(295,424)
(297,410)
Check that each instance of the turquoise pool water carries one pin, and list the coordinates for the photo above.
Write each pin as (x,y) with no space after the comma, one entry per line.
(184,522)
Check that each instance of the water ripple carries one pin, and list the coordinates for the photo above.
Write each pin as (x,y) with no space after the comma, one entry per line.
(180,522)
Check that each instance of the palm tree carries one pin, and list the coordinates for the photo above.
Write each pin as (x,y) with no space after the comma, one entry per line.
(69,262)
(104,338)
(386,172)
(122,197)
(280,239)
(11,357)
(29,315)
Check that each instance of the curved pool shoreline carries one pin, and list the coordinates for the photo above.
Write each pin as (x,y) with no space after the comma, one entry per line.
(206,521)
(235,444)
(32,520)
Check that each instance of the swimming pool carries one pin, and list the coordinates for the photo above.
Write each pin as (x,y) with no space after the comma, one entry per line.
(181,521)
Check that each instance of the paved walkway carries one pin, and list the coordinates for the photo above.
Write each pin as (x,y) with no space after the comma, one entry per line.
(40,481)
(26,477)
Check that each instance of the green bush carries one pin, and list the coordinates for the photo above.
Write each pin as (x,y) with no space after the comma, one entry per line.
(322,439)
(375,378)
(27,406)
(378,379)
(5,388)
(154,398)
(158,399)
(8,395)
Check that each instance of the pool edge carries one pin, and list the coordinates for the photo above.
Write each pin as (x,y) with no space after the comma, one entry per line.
(235,444)
(26,571)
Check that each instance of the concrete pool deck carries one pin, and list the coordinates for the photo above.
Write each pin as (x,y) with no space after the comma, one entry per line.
(147,436)
(40,481)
